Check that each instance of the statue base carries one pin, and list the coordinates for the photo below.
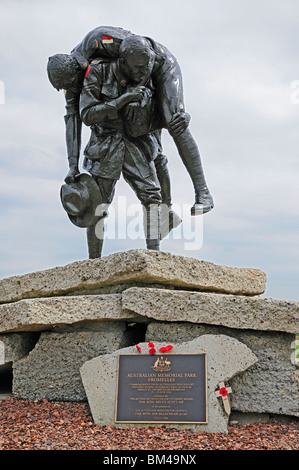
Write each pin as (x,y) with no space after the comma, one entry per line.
(55,321)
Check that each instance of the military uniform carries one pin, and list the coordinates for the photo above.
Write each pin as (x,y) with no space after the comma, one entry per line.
(91,47)
(104,42)
(112,151)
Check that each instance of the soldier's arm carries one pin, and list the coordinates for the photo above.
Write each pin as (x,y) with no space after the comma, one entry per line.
(93,110)
(73,130)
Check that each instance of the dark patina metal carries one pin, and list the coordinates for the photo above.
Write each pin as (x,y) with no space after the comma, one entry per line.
(127,88)
(161,389)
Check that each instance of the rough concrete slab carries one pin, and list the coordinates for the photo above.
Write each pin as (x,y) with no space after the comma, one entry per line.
(145,266)
(42,314)
(269,386)
(14,346)
(226,357)
(51,369)
(243,312)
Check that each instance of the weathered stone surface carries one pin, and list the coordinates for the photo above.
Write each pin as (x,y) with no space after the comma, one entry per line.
(243,312)
(14,346)
(51,370)
(226,357)
(145,266)
(41,314)
(269,386)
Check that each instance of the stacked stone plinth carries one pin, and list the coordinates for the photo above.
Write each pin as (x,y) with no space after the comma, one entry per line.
(54,321)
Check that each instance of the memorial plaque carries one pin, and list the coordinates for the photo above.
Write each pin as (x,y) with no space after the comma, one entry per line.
(168,388)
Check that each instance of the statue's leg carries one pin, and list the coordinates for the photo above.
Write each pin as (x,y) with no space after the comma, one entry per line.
(170,102)
(95,244)
(161,165)
(190,156)
(152,226)
(145,184)
(95,233)
(168,217)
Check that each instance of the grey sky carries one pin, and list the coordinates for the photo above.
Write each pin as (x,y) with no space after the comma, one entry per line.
(239,59)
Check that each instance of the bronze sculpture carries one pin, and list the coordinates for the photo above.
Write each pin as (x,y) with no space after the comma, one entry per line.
(151,93)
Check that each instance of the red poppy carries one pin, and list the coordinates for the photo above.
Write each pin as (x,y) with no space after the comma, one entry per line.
(138,347)
(166,349)
(223,391)
(151,345)
(152,351)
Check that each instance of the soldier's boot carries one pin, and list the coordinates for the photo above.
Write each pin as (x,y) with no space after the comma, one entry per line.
(95,239)
(190,156)
(169,218)
(203,202)
(152,226)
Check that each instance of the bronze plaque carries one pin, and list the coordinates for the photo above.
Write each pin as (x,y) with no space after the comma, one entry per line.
(166,388)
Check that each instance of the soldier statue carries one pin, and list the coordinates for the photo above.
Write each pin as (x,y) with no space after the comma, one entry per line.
(127,88)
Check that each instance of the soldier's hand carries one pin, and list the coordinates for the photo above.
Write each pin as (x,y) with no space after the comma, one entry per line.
(179,123)
(136,93)
(72,175)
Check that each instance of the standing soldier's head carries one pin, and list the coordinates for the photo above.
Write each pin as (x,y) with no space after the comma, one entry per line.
(136,59)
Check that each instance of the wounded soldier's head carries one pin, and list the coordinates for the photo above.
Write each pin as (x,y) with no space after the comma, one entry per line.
(64,72)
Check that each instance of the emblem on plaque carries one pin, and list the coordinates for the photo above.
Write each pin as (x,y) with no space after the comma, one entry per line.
(162,365)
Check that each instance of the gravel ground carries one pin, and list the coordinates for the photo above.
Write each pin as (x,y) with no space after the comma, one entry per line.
(44,425)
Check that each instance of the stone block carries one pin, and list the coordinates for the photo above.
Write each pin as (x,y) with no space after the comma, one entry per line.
(14,346)
(242,312)
(51,370)
(269,386)
(43,314)
(133,266)
(226,357)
